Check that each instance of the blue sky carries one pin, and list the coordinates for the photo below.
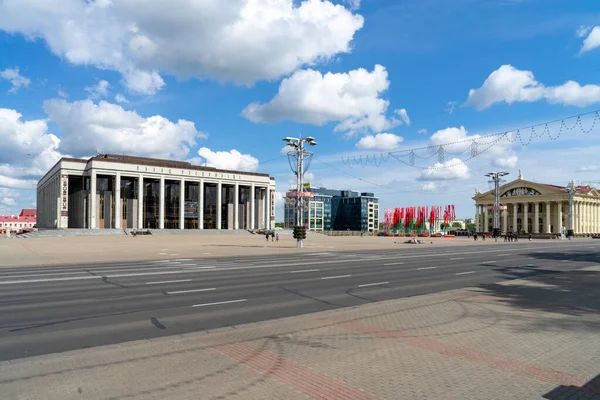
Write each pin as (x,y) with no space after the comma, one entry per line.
(216,84)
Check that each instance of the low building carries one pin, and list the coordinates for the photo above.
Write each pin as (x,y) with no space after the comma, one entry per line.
(538,208)
(117,191)
(337,210)
(25,221)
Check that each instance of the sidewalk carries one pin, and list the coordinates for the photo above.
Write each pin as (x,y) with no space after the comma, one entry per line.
(98,249)
(521,339)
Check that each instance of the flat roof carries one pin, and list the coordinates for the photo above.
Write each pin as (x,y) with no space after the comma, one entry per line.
(156,162)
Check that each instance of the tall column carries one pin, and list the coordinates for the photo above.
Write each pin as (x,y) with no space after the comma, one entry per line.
(93,202)
(559,217)
(236,207)
(252,208)
(595,217)
(576,217)
(266,204)
(219,203)
(536,217)
(477,218)
(525,217)
(140,202)
(201,204)
(485,218)
(547,222)
(118,206)
(161,204)
(182,204)
(505,220)
(515,209)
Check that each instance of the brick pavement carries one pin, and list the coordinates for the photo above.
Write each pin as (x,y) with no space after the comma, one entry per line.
(492,342)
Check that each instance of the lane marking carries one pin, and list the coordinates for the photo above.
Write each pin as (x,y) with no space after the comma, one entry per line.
(396,263)
(373,284)
(159,282)
(457,258)
(34,275)
(189,265)
(464,273)
(422,268)
(503,255)
(192,291)
(304,270)
(184,259)
(162,254)
(489,262)
(336,277)
(219,302)
(75,278)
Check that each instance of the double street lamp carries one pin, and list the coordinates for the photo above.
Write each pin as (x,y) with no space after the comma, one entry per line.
(299,153)
(496,180)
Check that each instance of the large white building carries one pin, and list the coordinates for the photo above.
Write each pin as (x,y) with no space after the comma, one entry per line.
(537,208)
(117,191)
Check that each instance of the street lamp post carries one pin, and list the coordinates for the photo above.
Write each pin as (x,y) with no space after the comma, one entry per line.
(496,177)
(570,189)
(299,151)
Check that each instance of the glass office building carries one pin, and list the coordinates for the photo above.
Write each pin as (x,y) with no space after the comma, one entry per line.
(337,210)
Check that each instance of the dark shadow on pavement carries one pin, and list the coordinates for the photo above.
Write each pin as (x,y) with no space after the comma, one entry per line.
(589,391)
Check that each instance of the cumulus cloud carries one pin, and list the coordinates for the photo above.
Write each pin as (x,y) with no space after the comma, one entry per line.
(422,131)
(238,40)
(592,41)
(231,160)
(509,84)
(501,154)
(589,168)
(14,77)
(8,182)
(451,105)
(449,170)
(61,92)
(119,98)
(87,126)
(403,115)
(98,90)
(583,30)
(352,99)
(8,201)
(429,187)
(381,141)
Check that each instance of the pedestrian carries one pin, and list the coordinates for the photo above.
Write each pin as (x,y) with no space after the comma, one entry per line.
(484,237)
(277,237)
(530,237)
(272,236)
(506,238)
(267,236)
(475,236)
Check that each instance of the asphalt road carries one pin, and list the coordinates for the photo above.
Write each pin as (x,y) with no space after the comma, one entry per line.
(55,309)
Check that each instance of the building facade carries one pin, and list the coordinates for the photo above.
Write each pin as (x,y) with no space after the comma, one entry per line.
(332,209)
(25,221)
(117,191)
(536,208)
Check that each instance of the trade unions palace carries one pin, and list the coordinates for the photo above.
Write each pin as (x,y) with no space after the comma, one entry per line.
(116,191)
(536,208)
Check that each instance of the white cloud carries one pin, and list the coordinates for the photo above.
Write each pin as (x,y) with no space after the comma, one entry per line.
(61,92)
(286,149)
(15,78)
(6,192)
(8,201)
(451,106)
(583,31)
(592,41)
(510,85)
(98,90)
(589,168)
(354,4)
(404,115)
(231,160)
(501,153)
(8,182)
(87,126)
(449,170)
(422,131)
(238,40)
(119,98)
(352,99)
(279,196)
(381,141)
(429,187)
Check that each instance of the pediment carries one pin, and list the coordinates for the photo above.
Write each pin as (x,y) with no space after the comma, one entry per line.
(520,188)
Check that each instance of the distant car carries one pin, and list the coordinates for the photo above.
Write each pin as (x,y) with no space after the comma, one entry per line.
(381,234)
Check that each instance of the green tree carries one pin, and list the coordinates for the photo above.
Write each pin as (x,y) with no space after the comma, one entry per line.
(456,225)
(470,226)
(279,225)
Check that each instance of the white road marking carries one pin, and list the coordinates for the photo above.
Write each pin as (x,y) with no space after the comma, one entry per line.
(304,270)
(191,291)
(464,273)
(336,277)
(34,275)
(162,254)
(173,254)
(396,263)
(183,259)
(317,254)
(422,268)
(457,258)
(503,255)
(157,283)
(206,253)
(189,265)
(489,262)
(373,284)
(161,261)
(74,278)
(219,302)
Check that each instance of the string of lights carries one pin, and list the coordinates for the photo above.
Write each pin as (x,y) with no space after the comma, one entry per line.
(473,147)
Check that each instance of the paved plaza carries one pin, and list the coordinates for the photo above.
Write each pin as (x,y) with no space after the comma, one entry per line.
(534,338)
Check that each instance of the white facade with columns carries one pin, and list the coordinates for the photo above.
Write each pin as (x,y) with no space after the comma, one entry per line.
(536,208)
(116,191)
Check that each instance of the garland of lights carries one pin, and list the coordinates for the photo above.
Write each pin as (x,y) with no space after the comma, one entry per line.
(473,147)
